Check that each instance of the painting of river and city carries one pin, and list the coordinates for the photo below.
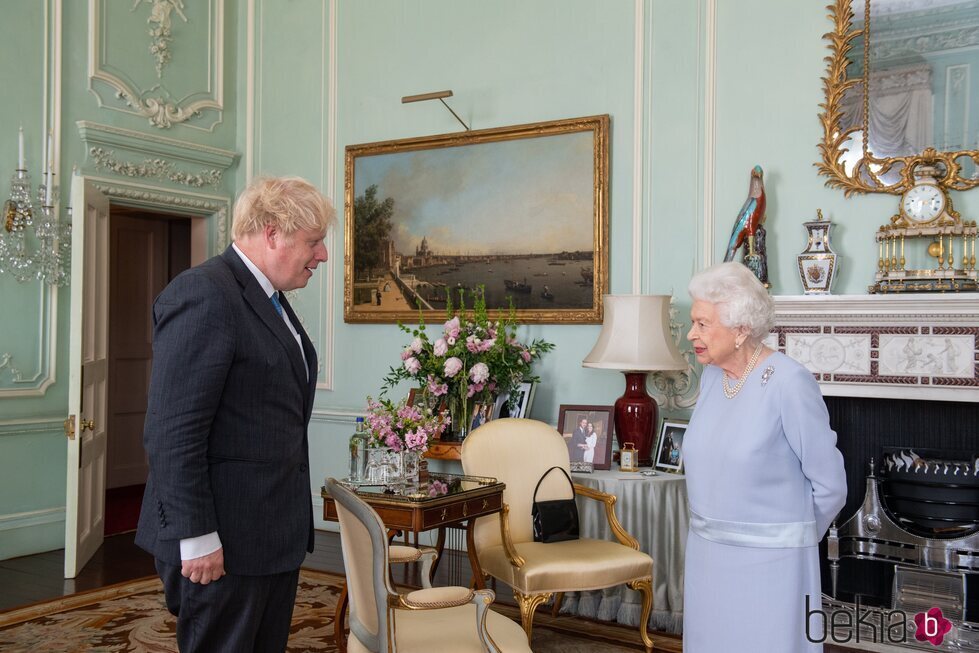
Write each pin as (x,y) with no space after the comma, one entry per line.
(520,212)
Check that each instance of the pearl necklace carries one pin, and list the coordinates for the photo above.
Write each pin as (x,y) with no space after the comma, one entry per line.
(730,392)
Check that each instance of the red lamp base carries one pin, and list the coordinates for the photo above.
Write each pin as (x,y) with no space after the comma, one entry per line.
(635,416)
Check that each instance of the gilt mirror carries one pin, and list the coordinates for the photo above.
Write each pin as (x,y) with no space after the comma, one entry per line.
(918,58)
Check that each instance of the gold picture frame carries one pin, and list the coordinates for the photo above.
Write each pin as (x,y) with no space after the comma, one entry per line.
(520,211)
(864,172)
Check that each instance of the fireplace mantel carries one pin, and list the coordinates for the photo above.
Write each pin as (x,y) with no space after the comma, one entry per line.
(915,346)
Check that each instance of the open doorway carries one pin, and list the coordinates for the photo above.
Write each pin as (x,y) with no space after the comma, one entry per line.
(146,251)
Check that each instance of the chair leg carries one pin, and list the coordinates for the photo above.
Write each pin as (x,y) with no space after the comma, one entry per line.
(557,604)
(645,587)
(338,618)
(528,606)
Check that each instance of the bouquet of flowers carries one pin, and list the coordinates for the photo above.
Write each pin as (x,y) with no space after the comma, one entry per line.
(401,427)
(474,360)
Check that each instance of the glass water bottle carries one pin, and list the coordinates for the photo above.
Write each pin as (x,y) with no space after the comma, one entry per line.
(358,453)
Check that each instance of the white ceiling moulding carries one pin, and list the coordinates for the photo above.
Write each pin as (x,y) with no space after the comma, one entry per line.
(149,92)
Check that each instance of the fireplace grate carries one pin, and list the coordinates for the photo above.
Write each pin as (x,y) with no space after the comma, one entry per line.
(918,590)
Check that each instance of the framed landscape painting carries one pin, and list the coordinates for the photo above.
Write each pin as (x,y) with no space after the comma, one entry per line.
(520,211)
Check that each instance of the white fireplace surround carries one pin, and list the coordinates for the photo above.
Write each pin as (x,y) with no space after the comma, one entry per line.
(914,346)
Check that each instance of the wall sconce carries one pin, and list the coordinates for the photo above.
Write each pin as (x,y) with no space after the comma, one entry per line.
(636,339)
(50,260)
(677,389)
(437,95)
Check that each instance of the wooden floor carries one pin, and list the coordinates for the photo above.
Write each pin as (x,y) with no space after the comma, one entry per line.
(40,577)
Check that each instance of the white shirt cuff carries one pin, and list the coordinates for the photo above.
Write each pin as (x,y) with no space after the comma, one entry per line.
(198,547)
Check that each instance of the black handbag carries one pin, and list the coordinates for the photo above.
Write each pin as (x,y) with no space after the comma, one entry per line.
(555,520)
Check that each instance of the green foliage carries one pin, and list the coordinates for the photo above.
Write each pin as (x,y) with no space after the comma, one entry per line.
(372,227)
(475,359)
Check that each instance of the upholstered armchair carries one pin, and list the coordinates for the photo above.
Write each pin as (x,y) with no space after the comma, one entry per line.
(518,452)
(434,620)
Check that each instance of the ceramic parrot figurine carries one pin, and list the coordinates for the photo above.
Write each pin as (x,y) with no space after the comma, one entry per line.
(751,216)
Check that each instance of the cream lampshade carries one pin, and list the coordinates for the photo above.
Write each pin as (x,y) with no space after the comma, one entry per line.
(636,339)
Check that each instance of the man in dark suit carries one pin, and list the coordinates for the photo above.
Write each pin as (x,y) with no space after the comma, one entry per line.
(227,511)
(579,441)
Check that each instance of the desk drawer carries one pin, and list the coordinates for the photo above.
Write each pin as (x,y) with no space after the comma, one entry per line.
(448,514)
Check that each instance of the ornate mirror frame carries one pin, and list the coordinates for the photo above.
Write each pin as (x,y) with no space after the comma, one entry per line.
(867,173)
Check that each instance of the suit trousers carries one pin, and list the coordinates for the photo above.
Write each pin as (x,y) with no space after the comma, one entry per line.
(235,614)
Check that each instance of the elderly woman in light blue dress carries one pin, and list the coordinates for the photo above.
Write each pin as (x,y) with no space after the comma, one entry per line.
(764,478)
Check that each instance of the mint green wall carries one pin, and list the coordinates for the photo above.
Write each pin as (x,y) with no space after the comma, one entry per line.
(32,445)
(724,85)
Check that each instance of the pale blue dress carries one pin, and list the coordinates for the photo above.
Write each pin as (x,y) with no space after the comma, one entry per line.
(764,480)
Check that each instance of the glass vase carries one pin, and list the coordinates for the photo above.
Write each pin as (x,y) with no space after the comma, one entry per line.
(460,412)
(383,466)
(410,466)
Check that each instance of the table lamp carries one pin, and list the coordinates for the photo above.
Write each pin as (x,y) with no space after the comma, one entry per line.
(636,339)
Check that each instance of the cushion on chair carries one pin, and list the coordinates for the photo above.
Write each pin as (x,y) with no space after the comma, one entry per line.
(398,553)
(451,630)
(570,566)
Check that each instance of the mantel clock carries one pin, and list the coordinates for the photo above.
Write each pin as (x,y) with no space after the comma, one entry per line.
(933,230)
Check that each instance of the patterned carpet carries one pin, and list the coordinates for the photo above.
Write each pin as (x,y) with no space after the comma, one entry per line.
(131,617)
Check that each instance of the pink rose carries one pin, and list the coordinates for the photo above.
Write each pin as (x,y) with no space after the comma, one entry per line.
(416,345)
(406,354)
(479,373)
(412,365)
(525,355)
(441,347)
(452,366)
(486,345)
(452,328)
(472,344)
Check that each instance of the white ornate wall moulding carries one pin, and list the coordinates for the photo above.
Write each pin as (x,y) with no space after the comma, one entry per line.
(215,207)
(153,168)
(148,87)
(132,154)
(923,346)
(161,28)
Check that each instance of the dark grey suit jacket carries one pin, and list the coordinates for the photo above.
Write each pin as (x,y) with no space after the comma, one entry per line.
(226,424)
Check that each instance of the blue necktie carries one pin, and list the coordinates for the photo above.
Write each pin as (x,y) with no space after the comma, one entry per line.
(275,302)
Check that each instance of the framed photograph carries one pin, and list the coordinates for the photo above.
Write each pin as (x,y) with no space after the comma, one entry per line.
(521,211)
(524,401)
(482,413)
(669,456)
(587,431)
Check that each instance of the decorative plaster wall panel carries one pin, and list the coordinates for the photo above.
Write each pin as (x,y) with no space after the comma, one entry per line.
(923,346)
(173,73)
(830,352)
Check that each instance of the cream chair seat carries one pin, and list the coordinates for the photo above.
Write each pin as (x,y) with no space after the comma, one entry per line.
(398,554)
(436,620)
(518,452)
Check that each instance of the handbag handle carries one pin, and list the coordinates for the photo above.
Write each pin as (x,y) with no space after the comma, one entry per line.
(544,475)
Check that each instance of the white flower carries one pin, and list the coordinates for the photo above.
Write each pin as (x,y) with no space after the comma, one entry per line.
(416,345)
(441,347)
(412,365)
(479,373)
(452,367)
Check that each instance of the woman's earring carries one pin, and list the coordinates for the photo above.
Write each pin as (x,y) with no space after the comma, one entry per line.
(737,344)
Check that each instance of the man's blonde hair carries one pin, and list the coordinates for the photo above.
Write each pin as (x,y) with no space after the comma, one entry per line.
(287,203)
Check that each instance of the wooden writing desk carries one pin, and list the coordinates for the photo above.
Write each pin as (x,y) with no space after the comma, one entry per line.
(421,508)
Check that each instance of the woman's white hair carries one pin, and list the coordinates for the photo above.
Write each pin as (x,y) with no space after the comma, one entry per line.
(740,298)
